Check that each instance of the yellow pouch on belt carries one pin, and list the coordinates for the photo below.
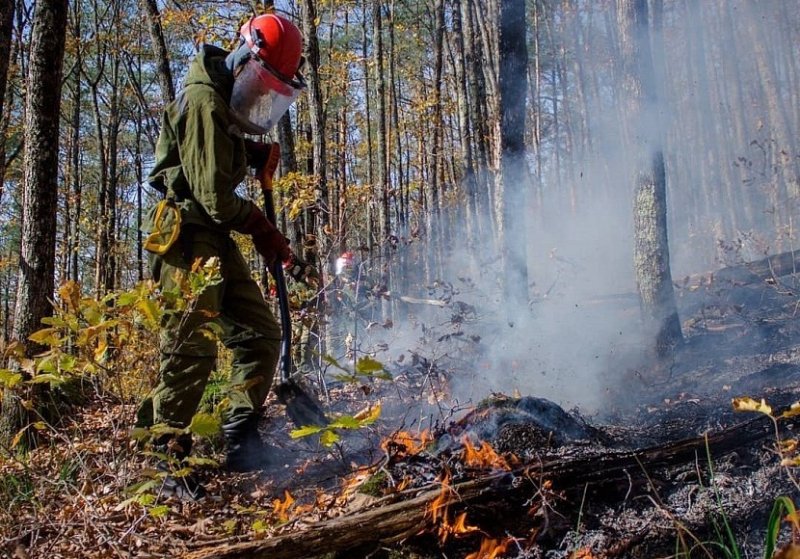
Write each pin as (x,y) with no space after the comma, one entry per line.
(166,226)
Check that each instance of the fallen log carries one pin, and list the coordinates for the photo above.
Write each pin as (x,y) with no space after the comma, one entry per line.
(773,266)
(397,517)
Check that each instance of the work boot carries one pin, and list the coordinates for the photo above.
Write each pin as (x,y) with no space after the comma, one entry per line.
(184,487)
(246,452)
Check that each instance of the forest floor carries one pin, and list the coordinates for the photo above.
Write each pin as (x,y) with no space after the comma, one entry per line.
(75,495)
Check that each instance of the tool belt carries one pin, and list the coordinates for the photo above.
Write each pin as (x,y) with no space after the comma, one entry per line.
(165,227)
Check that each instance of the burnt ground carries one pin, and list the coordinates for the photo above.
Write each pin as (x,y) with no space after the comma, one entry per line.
(70,498)
(742,339)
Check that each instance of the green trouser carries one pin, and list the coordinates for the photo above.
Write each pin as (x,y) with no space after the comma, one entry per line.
(188,354)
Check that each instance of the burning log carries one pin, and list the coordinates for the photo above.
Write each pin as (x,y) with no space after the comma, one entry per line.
(411,512)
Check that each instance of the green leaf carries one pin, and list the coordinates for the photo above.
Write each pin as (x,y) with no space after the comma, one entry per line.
(329,437)
(368,366)
(348,378)
(46,365)
(145,486)
(783,505)
(54,380)
(140,434)
(330,360)
(127,298)
(126,503)
(145,499)
(182,472)
(55,321)
(204,425)
(92,314)
(46,336)
(306,431)
(198,461)
(67,363)
(149,309)
(158,511)
(345,422)
(163,429)
(9,378)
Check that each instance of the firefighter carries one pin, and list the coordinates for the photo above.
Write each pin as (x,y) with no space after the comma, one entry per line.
(201,157)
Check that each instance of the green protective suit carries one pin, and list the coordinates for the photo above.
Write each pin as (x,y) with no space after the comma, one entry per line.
(200,159)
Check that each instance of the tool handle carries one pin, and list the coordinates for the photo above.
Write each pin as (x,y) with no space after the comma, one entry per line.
(265,178)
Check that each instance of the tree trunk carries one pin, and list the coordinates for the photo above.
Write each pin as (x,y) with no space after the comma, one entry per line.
(74,179)
(651,248)
(478,118)
(382,184)
(159,50)
(365,34)
(513,97)
(6,27)
(467,176)
(108,220)
(288,165)
(432,191)
(40,187)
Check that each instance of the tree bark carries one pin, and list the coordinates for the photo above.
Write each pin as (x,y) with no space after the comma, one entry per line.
(513,97)
(159,50)
(467,175)
(319,151)
(6,27)
(478,118)
(36,283)
(382,185)
(651,248)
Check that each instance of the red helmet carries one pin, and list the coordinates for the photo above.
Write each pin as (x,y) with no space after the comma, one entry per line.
(278,44)
(268,81)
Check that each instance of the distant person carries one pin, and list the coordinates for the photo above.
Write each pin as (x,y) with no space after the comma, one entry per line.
(201,157)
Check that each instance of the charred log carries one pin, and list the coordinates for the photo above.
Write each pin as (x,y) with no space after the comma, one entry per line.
(773,266)
(401,516)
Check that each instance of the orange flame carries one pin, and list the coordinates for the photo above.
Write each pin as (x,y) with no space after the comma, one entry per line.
(438,507)
(484,457)
(405,482)
(440,513)
(582,553)
(281,508)
(490,549)
(460,525)
(406,444)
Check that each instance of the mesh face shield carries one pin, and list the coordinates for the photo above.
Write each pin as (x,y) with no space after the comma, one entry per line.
(261,96)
